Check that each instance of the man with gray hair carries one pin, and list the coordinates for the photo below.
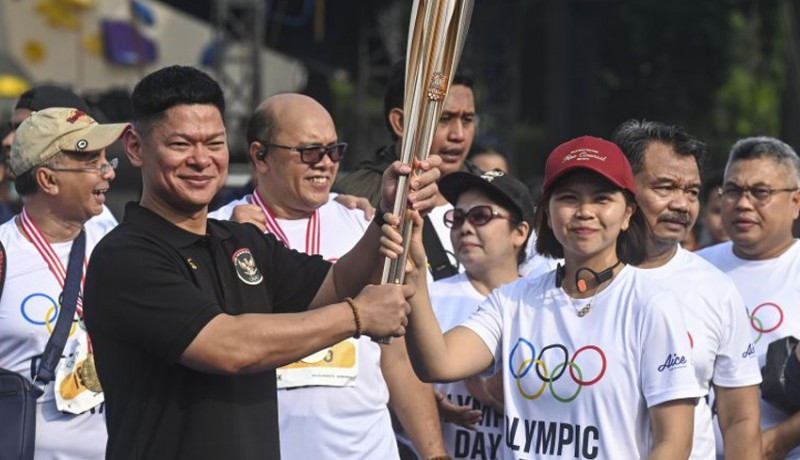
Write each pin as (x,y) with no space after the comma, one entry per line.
(760,200)
(666,163)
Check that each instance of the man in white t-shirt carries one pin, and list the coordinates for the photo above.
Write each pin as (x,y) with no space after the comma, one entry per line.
(760,200)
(44,97)
(59,159)
(666,166)
(332,404)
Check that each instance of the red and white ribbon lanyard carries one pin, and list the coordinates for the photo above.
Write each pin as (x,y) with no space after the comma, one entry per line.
(312,230)
(50,257)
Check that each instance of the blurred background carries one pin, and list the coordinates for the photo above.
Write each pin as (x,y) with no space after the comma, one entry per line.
(545,70)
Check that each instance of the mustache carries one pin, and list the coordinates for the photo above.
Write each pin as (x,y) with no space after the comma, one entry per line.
(677,217)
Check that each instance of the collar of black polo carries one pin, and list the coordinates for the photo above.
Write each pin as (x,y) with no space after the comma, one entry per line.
(152,223)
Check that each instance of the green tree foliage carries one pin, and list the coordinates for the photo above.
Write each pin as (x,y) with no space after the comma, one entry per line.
(716,67)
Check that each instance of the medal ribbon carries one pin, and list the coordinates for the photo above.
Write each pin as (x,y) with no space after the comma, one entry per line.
(312,230)
(50,257)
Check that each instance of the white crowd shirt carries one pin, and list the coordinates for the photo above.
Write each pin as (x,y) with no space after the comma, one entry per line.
(28,313)
(454,299)
(536,264)
(581,387)
(719,332)
(771,293)
(350,422)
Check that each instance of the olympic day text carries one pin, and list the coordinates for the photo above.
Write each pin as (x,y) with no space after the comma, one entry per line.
(476,445)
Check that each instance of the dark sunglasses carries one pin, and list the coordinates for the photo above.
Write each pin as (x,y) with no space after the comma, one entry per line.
(313,154)
(477,216)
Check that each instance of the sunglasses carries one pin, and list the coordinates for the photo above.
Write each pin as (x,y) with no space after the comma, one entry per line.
(313,154)
(477,216)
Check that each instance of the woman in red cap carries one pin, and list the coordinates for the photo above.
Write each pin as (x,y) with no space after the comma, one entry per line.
(596,359)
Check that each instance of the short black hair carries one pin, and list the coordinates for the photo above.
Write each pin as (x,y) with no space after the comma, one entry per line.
(710,184)
(261,125)
(479,148)
(170,86)
(47,96)
(631,243)
(634,136)
(25,184)
(394,96)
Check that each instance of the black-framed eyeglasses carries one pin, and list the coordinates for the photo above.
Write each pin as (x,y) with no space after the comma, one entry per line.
(477,216)
(313,154)
(760,194)
(102,169)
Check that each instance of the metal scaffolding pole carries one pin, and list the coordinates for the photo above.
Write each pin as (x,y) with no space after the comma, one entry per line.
(240,27)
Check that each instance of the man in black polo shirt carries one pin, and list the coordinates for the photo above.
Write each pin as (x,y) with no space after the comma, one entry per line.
(190,317)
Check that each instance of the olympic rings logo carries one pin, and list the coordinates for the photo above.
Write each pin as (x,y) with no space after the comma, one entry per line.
(42,310)
(548,370)
(770,319)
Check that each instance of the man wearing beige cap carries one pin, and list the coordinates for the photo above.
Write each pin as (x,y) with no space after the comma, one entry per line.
(62,174)
(36,99)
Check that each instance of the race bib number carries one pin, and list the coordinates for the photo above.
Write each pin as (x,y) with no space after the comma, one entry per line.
(335,366)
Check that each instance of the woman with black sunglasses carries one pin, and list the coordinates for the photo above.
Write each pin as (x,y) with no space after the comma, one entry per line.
(489,226)
(595,357)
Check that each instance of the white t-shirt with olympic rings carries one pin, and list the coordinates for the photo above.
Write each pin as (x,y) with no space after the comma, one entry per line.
(28,312)
(581,387)
(721,339)
(771,291)
(350,422)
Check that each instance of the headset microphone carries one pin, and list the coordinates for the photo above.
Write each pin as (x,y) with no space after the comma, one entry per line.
(599,277)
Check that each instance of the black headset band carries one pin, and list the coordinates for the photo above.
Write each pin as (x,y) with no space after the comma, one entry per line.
(599,277)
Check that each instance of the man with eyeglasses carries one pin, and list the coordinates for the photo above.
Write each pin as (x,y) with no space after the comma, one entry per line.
(59,159)
(45,97)
(666,163)
(338,396)
(760,200)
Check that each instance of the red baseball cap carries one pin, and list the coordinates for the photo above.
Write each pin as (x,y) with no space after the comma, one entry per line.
(592,153)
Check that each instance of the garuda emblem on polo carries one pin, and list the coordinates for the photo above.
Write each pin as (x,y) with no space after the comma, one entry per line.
(245,266)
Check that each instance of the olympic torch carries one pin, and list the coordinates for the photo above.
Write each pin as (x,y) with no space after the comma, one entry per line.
(436,35)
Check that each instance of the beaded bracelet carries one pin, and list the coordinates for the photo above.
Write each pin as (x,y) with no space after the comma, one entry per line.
(357,318)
